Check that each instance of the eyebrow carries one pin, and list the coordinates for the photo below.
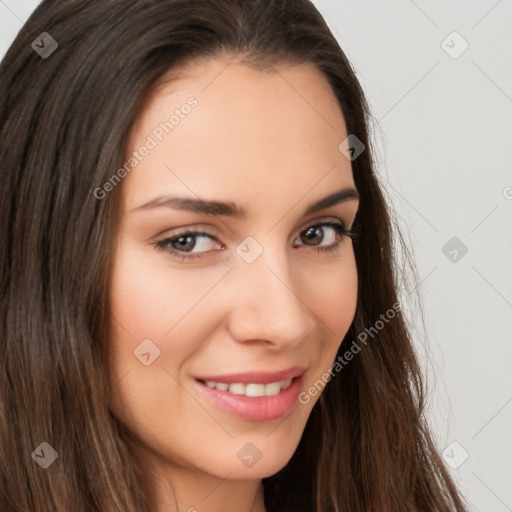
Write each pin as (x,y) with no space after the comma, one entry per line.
(230,209)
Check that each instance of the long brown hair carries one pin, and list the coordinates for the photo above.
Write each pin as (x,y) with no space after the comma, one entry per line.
(64,123)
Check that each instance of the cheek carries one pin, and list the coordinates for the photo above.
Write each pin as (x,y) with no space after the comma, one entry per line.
(152,308)
(332,296)
(148,298)
(332,291)
(160,310)
(146,311)
(334,300)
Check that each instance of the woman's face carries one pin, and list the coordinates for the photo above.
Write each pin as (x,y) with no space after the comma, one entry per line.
(255,299)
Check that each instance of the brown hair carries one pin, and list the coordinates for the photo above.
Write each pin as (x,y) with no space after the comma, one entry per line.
(64,123)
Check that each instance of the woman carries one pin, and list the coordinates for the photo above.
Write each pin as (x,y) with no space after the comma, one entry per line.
(172,336)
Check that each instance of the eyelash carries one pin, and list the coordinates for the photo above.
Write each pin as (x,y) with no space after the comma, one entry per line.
(339,227)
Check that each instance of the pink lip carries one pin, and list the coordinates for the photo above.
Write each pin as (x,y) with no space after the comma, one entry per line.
(255,377)
(261,408)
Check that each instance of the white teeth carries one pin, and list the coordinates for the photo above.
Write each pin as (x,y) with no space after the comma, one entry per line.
(272,389)
(237,389)
(252,390)
(285,383)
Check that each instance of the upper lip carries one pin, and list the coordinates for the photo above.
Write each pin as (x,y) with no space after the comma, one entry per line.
(255,377)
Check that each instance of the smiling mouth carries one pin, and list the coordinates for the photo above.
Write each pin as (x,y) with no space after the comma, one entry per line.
(250,389)
(254,395)
(253,401)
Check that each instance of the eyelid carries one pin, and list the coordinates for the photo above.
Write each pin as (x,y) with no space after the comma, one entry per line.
(321,220)
(171,233)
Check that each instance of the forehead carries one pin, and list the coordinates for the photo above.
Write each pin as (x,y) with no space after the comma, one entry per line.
(250,133)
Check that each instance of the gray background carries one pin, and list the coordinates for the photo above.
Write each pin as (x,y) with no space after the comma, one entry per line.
(443,133)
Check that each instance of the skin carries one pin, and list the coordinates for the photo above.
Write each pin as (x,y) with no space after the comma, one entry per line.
(269,143)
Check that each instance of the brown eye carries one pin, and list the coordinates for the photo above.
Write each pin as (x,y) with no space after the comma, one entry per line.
(182,244)
(314,234)
(332,231)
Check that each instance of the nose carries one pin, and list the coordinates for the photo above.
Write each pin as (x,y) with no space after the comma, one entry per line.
(269,302)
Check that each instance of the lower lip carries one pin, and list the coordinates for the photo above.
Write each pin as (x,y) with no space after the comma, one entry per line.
(258,408)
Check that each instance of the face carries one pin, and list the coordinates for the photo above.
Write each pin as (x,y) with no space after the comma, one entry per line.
(221,320)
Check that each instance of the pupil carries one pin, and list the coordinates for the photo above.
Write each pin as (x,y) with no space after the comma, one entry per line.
(184,240)
(312,232)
